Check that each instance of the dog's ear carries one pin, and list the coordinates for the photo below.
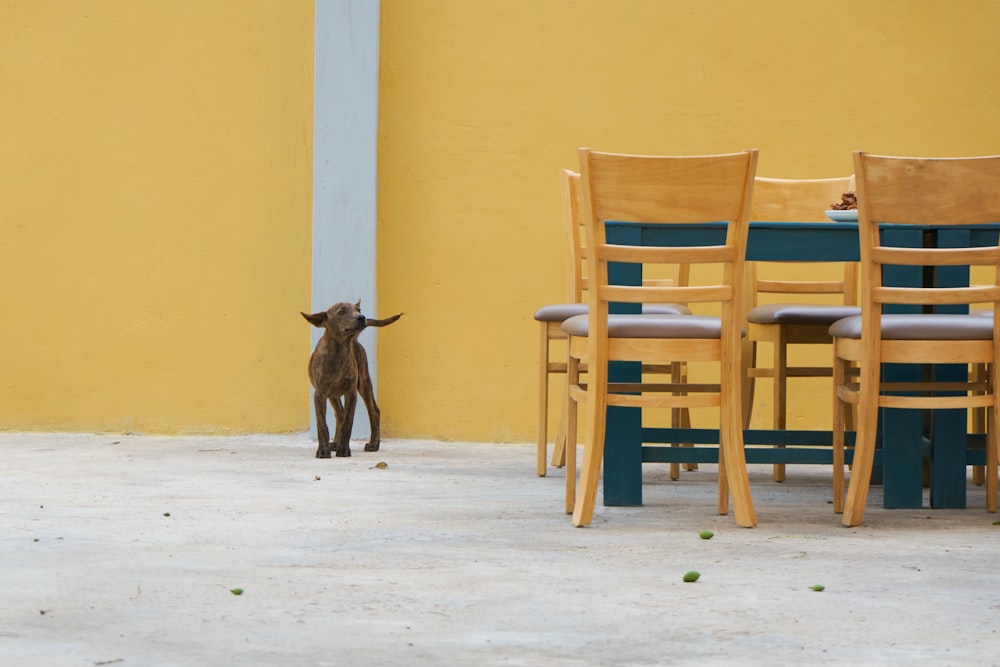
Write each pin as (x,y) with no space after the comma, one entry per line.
(316,319)
(358,304)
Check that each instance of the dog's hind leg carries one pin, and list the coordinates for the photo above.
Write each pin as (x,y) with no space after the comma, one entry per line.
(367,391)
(322,430)
(374,420)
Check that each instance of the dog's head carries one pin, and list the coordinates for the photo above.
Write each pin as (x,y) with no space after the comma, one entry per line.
(341,320)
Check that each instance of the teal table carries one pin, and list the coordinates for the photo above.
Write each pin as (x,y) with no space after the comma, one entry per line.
(905,441)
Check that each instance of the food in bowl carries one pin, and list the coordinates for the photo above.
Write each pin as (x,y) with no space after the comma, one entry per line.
(848,202)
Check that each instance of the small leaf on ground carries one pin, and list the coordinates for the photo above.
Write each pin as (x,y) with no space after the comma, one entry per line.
(706,534)
(236,591)
(691,576)
(818,587)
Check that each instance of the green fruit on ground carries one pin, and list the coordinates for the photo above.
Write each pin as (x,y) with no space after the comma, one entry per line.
(691,576)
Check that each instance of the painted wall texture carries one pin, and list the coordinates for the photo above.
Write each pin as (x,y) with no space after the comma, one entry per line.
(155,212)
(156,176)
(482,103)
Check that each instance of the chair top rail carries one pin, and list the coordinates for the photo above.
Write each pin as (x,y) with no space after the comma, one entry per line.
(666,189)
(666,255)
(929,191)
(800,287)
(692,294)
(981,256)
(936,296)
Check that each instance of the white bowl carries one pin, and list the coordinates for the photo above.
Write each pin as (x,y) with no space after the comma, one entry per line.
(850,215)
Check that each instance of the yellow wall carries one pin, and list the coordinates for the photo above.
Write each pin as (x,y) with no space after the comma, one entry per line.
(481,104)
(155,214)
(155,180)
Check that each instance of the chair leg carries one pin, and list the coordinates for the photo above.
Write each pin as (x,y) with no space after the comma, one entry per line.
(839,378)
(570,411)
(543,403)
(593,449)
(680,374)
(850,416)
(851,411)
(675,468)
(992,453)
(992,439)
(723,493)
(732,457)
(979,418)
(559,447)
(864,445)
(734,480)
(749,381)
(780,394)
(680,418)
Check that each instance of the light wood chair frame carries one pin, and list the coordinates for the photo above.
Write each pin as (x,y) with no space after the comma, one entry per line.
(792,200)
(551,331)
(552,334)
(931,191)
(631,188)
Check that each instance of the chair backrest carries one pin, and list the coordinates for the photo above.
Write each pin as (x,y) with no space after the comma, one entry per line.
(940,192)
(665,189)
(576,246)
(797,200)
(573,225)
(801,200)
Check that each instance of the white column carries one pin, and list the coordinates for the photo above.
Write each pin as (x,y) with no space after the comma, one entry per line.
(344,167)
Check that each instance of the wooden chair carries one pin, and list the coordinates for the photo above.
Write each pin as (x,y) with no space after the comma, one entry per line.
(671,190)
(803,311)
(939,192)
(552,316)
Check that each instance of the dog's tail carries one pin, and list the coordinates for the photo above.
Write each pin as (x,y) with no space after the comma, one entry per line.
(382,323)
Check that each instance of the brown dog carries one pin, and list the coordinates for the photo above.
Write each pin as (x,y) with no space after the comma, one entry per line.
(338,371)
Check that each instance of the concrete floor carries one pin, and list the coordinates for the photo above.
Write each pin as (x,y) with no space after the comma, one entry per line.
(125,550)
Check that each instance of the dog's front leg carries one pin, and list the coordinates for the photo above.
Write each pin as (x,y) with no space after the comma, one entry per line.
(322,430)
(345,423)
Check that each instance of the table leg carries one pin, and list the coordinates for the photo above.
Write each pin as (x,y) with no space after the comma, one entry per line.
(902,456)
(949,427)
(902,430)
(623,455)
(623,435)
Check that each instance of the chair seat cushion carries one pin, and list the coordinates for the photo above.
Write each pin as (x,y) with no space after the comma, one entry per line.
(800,313)
(559,312)
(650,326)
(921,327)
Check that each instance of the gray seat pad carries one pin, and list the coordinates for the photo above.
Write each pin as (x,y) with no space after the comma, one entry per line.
(559,312)
(800,313)
(650,326)
(921,327)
